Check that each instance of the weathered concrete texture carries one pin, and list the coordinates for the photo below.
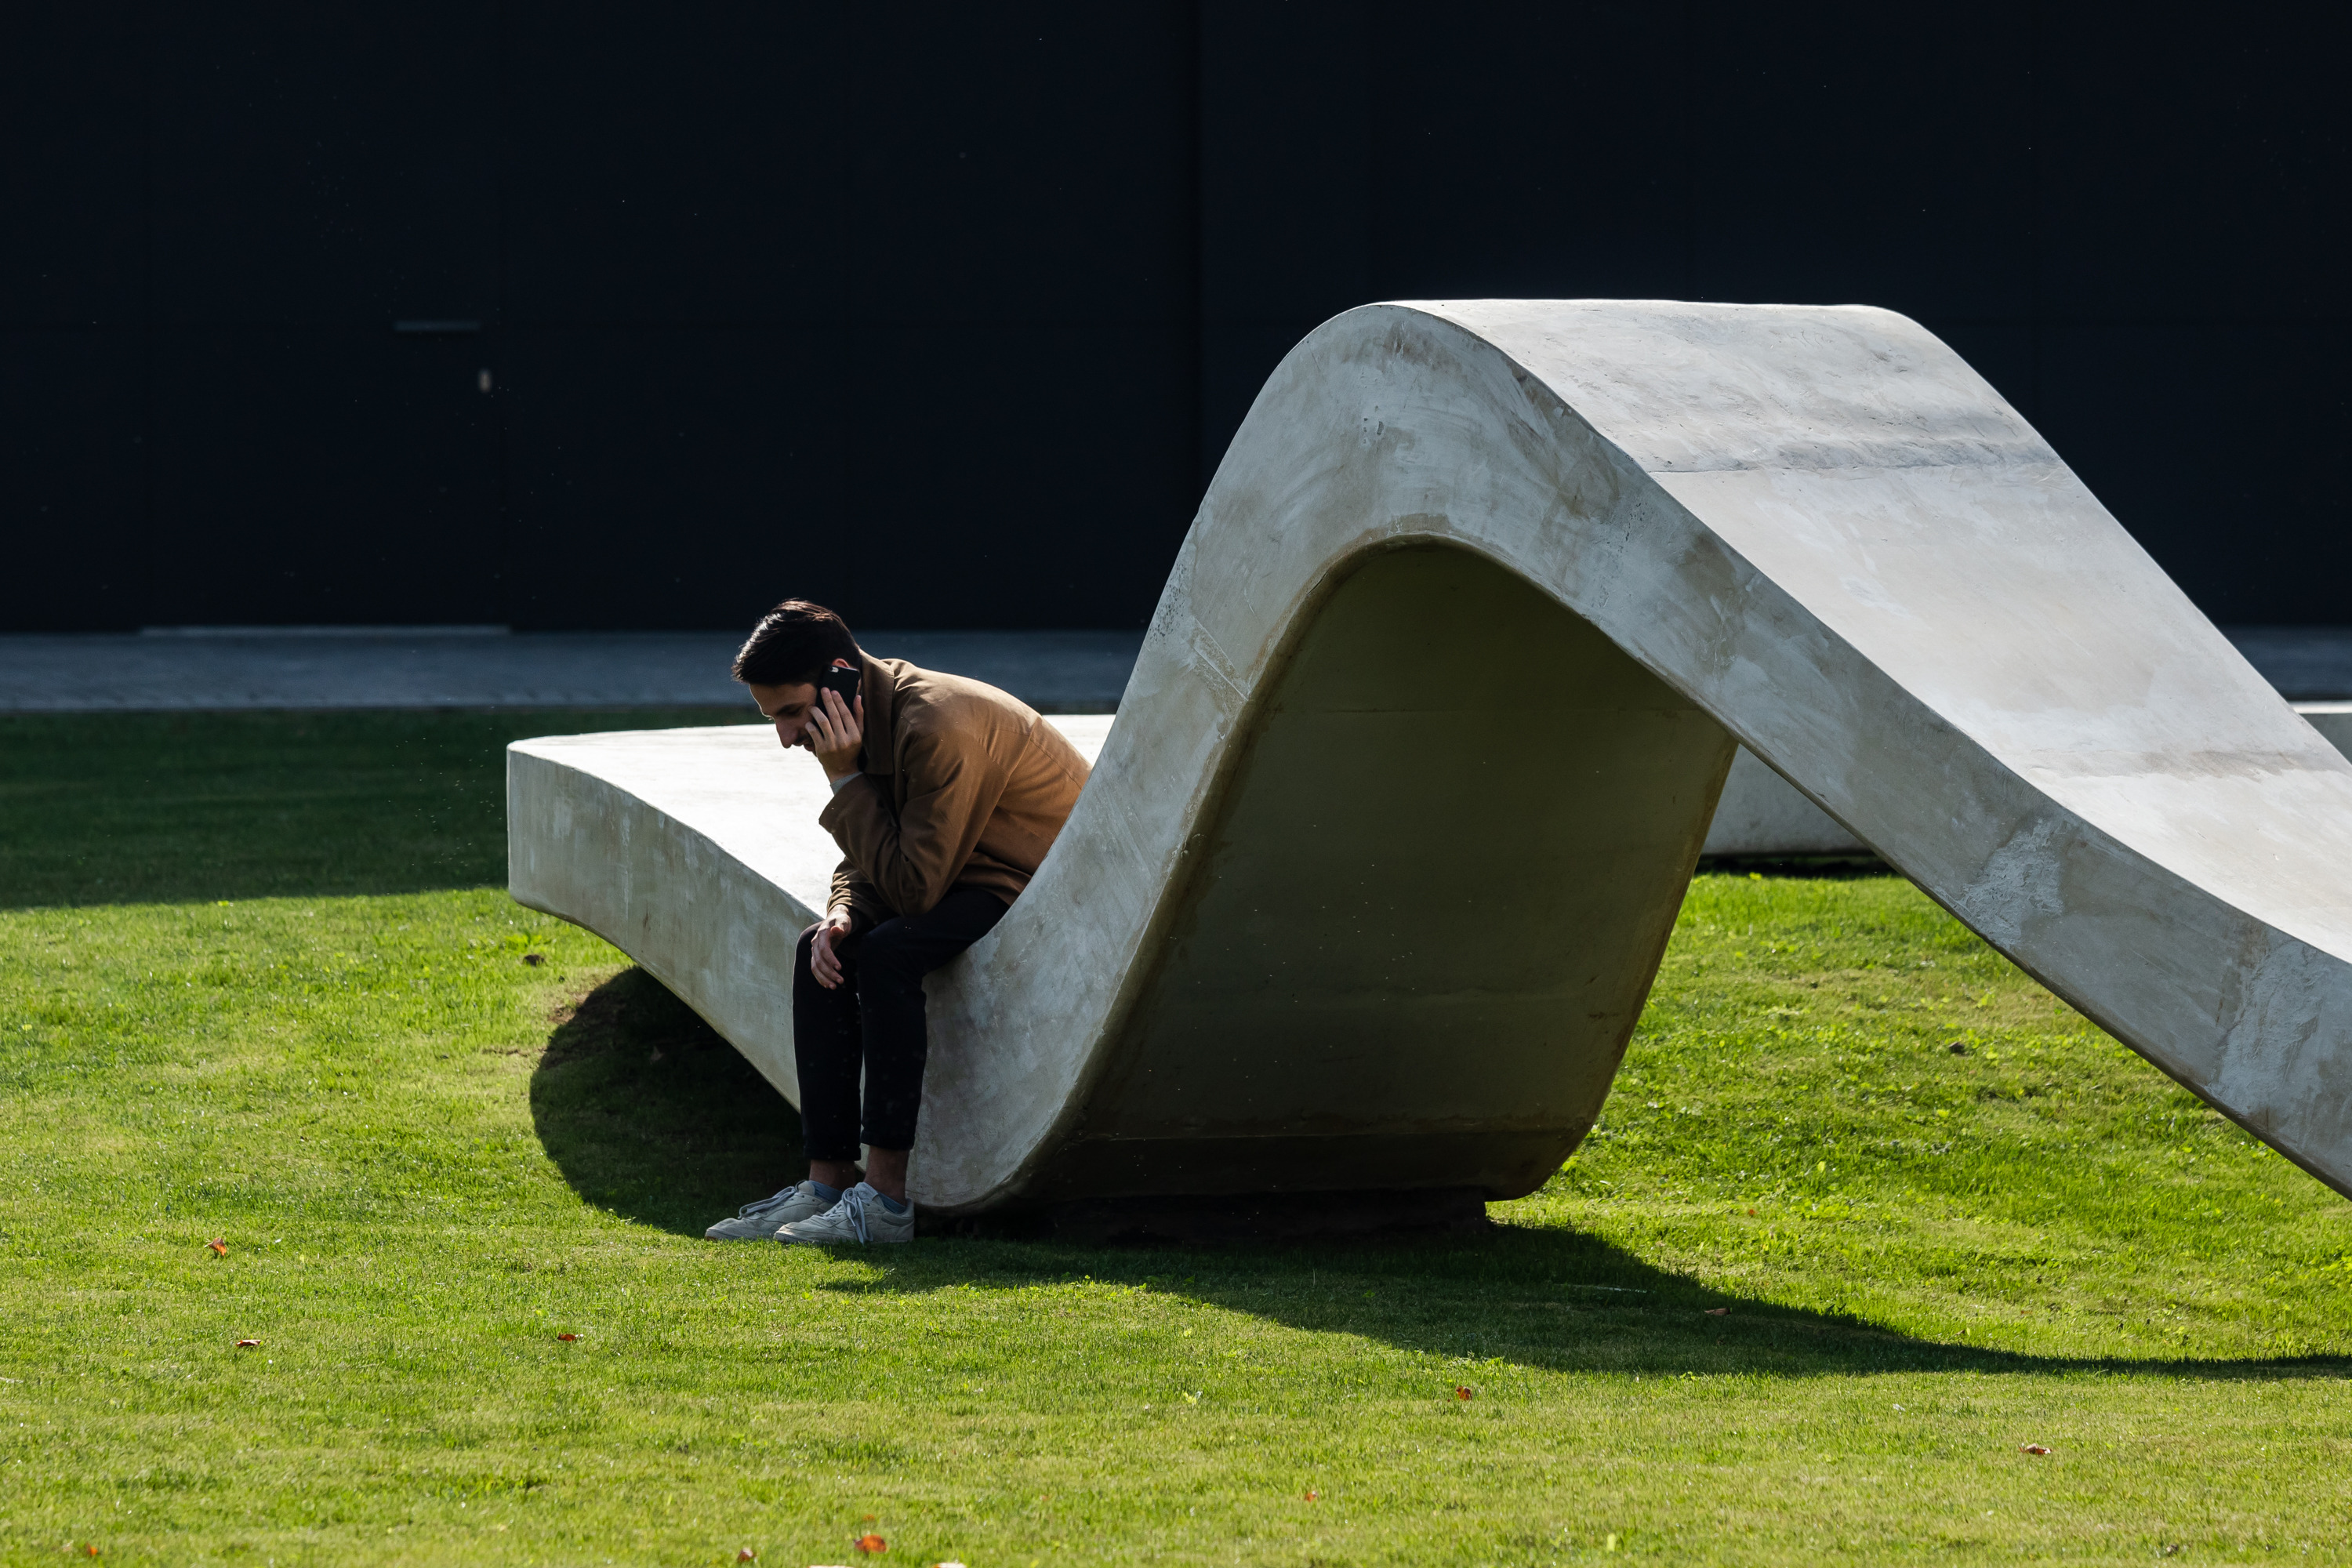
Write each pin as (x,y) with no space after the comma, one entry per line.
(1762,814)
(1376,864)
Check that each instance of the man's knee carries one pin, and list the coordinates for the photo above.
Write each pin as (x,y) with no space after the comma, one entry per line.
(888,948)
(803,963)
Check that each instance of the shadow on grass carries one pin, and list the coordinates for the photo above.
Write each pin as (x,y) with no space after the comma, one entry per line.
(1556,1300)
(651,1115)
(1806,868)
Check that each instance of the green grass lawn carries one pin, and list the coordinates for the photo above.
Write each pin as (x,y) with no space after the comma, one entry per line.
(1806,1295)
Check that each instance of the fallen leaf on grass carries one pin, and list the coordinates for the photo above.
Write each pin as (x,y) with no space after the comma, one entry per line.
(567,1339)
(1464,1394)
(2033,1448)
(870,1545)
(534,959)
(747,1555)
(1717,1311)
(248,1345)
(1312,1496)
(220,1248)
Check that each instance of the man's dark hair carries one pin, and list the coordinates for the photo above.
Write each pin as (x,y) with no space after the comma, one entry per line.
(794,645)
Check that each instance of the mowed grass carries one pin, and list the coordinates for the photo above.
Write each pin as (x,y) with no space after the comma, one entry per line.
(139,807)
(1807,1294)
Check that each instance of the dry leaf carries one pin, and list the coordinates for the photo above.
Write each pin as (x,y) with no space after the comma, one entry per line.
(534,959)
(248,1345)
(747,1555)
(2034,1448)
(870,1545)
(1462,1393)
(1717,1311)
(1312,1496)
(567,1339)
(220,1248)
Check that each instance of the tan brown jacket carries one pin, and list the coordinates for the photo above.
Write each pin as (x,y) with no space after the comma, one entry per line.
(959,785)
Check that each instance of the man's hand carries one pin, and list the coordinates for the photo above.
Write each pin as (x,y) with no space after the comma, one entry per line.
(824,963)
(834,732)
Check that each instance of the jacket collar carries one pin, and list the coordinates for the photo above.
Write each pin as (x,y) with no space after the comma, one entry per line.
(878,753)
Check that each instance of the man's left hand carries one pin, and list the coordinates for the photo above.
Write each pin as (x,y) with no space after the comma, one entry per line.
(835,729)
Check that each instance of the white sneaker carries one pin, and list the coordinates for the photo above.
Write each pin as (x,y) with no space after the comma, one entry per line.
(860,1217)
(757,1222)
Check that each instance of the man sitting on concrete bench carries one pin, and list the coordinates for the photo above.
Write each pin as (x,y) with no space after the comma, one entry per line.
(947,792)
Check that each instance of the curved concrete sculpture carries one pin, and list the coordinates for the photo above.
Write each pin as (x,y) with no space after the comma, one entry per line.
(1380,855)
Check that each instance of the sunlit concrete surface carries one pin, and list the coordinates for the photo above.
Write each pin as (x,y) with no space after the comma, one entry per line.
(1379,857)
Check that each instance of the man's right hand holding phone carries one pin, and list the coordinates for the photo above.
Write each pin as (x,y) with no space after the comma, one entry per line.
(835,729)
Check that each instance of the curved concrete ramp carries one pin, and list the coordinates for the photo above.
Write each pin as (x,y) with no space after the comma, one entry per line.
(1379,856)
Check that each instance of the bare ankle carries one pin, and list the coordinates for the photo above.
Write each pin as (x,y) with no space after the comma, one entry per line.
(886,1172)
(839,1174)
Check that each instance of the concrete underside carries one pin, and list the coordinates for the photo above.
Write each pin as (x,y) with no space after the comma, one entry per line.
(1381,851)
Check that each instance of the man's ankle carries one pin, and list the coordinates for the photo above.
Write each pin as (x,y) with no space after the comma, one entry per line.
(886,1172)
(838,1175)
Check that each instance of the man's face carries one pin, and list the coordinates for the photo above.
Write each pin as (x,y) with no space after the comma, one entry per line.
(787,708)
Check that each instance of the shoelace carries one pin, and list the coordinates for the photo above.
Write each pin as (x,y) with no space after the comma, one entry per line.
(767,1205)
(854,1201)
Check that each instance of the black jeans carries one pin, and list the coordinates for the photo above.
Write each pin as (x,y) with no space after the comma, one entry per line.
(874,1018)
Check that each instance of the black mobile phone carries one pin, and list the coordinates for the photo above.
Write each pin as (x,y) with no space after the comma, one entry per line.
(848,682)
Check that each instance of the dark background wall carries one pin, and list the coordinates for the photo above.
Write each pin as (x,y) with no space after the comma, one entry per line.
(943,314)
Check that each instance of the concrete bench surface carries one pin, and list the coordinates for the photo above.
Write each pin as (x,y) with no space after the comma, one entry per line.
(1382,849)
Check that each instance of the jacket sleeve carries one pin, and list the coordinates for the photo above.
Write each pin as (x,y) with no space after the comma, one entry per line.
(862,902)
(913,857)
